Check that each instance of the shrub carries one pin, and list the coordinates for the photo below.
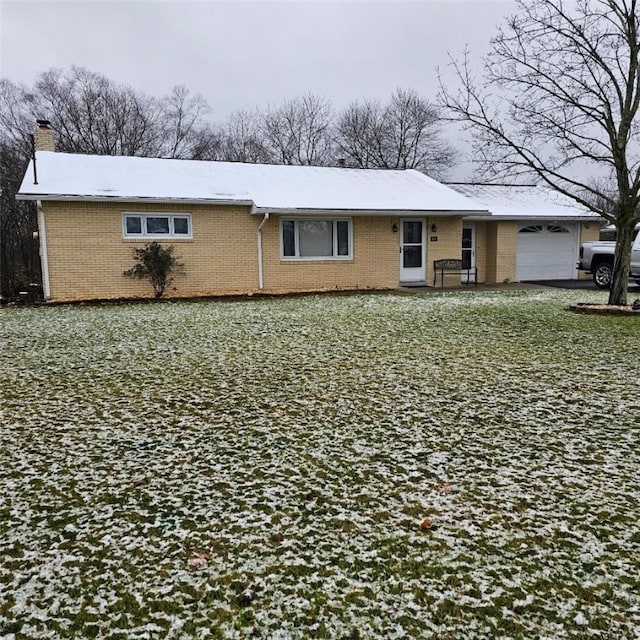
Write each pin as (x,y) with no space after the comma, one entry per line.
(156,263)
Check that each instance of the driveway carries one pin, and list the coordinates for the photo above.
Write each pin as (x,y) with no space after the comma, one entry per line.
(576,284)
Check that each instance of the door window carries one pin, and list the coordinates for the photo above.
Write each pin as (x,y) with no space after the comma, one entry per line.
(467,247)
(412,244)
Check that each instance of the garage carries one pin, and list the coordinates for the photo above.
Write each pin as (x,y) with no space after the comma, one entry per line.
(547,250)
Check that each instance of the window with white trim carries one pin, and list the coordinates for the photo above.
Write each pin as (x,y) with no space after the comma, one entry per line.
(156,225)
(557,228)
(534,228)
(316,239)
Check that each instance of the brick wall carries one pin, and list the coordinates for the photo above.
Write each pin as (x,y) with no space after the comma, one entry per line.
(44,139)
(448,245)
(88,254)
(375,263)
(482,255)
(497,242)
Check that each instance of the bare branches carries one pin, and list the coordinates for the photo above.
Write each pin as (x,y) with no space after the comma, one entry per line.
(184,125)
(403,134)
(560,99)
(243,138)
(92,114)
(300,131)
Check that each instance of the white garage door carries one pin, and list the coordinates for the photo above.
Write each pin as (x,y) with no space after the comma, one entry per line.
(547,251)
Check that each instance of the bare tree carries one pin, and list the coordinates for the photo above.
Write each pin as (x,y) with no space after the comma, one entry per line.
(16,116)
(300,131)
(243,138)
(19,260)
(92,114)
(208,145)
(405,133)
(559,98)
(357,134)
(184,126)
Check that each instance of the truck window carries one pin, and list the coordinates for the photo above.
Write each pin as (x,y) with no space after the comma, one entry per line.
(609,234)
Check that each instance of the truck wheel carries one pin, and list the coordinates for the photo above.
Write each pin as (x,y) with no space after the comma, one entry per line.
(602,275)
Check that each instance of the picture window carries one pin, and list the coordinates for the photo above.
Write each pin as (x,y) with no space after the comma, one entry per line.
(316,239)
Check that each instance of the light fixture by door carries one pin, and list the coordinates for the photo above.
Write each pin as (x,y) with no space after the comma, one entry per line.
(433,228)
(394,228)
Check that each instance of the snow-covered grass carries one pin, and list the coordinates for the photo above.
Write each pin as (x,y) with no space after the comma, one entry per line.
(463,465)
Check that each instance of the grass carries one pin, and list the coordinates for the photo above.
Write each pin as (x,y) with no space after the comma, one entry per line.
(262,469)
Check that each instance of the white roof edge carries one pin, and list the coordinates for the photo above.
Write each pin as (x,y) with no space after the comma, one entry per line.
(80,198)
(372,212)
(515,218)
(482,214)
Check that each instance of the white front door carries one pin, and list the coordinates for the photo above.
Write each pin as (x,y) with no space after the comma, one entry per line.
(413,250)
(468,251)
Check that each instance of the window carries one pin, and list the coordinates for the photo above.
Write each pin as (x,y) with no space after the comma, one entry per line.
(534,228)
(609,232)
(556,228)
(157,226)
(316,239)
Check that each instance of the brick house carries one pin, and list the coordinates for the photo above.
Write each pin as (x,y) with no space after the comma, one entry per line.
(249,228)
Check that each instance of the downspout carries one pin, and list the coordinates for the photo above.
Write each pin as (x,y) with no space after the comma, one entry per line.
(259,234)
(44,252)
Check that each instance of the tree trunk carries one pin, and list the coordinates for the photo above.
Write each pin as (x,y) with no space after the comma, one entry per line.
(625,224)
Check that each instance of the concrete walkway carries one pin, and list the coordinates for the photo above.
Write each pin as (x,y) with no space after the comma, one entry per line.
(586,285)
(500,286)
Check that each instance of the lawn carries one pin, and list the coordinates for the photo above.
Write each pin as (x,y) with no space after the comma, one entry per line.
(461,465)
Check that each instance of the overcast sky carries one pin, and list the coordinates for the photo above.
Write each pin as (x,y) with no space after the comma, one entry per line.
(242,54)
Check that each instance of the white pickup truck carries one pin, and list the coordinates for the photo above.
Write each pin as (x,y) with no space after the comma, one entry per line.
(597,259)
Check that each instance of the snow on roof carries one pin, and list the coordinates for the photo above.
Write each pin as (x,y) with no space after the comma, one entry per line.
(267,187)
(524,201)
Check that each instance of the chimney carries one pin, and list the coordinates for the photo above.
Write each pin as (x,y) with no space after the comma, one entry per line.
(43,137)
(340,163)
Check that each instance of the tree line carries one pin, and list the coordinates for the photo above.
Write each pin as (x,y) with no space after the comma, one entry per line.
(90,113)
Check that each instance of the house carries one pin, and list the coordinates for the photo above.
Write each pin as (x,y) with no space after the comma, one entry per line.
(536,234)
(238,228)
(248,228)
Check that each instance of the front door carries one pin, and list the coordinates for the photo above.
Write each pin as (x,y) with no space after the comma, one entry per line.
(468,250)
(412,250)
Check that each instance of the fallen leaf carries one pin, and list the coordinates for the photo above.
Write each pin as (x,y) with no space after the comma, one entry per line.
(426,524)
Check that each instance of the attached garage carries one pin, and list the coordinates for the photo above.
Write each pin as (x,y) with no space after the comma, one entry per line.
(534,232)
(547,251)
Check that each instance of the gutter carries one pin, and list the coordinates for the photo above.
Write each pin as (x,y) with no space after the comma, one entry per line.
(44,252)
(527,218)
(259,235)
(140,199)
(255,210)
(404,213)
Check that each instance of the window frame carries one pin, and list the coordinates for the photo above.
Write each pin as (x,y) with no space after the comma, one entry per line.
(557,228)
(532,228)
(144,235)
(296,238)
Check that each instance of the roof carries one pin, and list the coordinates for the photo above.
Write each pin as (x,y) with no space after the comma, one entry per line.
(66,176)
(522,202)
